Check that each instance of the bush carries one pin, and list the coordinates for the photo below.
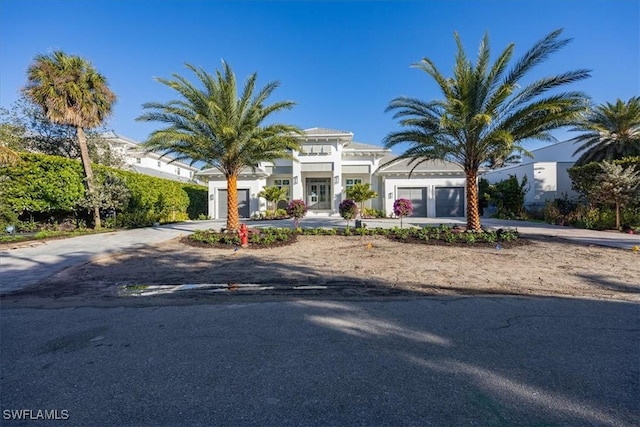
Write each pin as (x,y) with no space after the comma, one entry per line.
(297,209)
(348,210)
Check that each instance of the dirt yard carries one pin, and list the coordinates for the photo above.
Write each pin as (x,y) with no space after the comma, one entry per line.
(366,266)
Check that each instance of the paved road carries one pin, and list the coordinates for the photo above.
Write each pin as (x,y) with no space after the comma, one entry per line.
(20,268)
(423,361)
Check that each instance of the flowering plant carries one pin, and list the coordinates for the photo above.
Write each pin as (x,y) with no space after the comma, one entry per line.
(297,209)
(348,210)
(402,208)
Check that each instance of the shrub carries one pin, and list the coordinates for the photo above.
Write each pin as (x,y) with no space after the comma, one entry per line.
(348,210)
(402,208)
(297,209)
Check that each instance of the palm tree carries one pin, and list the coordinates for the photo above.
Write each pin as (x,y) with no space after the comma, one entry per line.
(216,126)
(71,92)
(484,113)
(360,193)
(611,132)
(274,194)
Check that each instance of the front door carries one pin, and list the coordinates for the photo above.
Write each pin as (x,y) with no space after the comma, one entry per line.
(319,193)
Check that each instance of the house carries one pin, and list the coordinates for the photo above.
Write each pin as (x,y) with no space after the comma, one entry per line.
(546,173)
(330,162)
(149,163)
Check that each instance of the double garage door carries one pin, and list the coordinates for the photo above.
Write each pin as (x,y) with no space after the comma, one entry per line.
(243,204)
(449,201)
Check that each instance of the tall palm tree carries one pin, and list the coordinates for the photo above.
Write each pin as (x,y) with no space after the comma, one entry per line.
(485,114)
(71,92)
(216,126)
(611,132)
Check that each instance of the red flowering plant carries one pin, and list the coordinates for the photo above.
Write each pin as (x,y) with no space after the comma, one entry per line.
(402,208)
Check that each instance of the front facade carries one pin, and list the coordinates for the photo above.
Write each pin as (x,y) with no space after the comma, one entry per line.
(330,162)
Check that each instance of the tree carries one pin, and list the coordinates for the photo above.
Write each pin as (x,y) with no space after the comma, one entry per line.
(273,195)
(360,193)
(216,126)
(348,210)
(616,185)
(402,208)
(485,113)
(71,93)
(297,209)
(28,129)
(611,132)
(111,194)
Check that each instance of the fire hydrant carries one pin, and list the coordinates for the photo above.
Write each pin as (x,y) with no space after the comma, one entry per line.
(244,236)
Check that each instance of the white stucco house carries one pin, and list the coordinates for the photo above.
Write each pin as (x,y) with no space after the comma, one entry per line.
(546,173)
(153,164)
(328,163)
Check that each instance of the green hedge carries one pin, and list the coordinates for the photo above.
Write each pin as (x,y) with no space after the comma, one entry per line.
(43,185)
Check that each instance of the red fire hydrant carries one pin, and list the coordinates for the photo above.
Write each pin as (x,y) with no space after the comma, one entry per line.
(244,236)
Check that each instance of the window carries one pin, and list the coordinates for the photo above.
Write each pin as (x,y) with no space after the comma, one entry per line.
(351,182)
(177,171)
(159,163)
(138,160)
(283,183)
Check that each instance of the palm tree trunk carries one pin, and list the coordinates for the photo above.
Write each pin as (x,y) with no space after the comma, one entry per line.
(88,172)
(473,214)
(233,219)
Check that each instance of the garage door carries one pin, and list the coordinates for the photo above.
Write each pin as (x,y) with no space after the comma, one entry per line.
(418,197)
(243,203)
(450,202)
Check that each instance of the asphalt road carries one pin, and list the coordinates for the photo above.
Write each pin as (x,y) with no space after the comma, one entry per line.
(417,361)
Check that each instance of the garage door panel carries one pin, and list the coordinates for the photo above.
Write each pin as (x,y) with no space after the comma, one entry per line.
(418,197)
(450,202)
(243,203)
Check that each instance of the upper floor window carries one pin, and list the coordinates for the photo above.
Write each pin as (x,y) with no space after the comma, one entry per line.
(349,183)
(159,163)
(177,171)
(138,160)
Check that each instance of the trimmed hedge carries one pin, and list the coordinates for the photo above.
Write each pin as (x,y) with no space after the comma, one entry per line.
(44,186)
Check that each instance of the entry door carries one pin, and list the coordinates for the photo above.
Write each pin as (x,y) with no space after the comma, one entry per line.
(318,193)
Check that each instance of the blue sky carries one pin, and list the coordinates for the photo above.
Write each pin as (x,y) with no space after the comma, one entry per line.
(342,62)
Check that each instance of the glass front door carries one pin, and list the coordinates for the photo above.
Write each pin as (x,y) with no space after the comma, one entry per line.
(319,193)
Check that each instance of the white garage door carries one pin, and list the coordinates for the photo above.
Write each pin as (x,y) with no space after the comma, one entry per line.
(418,197)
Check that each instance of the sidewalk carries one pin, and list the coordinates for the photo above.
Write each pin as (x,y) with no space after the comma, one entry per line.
(26,266)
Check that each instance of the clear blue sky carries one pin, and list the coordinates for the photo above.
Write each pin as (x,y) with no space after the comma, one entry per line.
(342,62)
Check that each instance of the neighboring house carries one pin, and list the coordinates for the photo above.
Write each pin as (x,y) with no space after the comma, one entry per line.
(328,163)
(149,163)
(546,173)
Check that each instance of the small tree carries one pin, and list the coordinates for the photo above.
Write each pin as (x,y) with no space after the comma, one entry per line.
(273,195)
(617,185)
(297,209)
(111,194)
(402,208)
(348,210)
(360,193)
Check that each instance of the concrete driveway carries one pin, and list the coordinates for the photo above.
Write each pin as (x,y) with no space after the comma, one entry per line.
(25,266)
